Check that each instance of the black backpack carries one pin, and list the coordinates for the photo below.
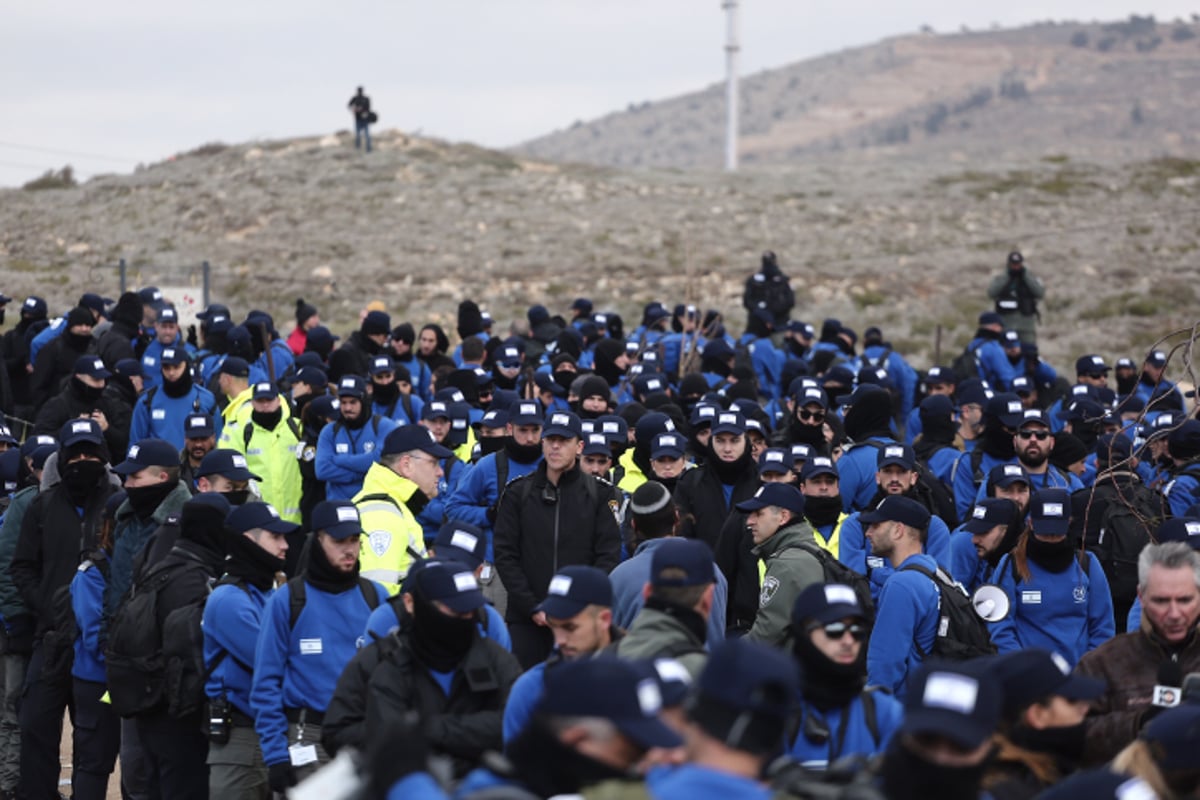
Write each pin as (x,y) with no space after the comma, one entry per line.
(135,665)
(966,364)
(837,572)
(960,634)
(183,656)
(1128,523)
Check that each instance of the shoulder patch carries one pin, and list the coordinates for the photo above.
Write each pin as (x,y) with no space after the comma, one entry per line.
(769,588)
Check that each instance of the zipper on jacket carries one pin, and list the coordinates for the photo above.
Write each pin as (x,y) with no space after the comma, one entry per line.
(556,507)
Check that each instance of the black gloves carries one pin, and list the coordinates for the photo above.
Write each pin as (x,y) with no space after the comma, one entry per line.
(386,761)
(281,777)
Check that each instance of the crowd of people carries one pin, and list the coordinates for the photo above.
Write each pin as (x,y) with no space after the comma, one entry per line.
(570,558)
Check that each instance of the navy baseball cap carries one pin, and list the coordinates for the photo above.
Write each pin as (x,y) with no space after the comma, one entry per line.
(861,392)
(729,422)
(79,431)
(1091,364)
(324,407)
(818,465)
(811,394)
(988,513)
(382,364)
(436,409)
(776,460)
(1033,416)
(227,463)
(173,355)
(990,318)
(352,386)
(509,356)
(781,495)
(1011,339)
(1175,732)
(826,602)
(1180,529)
(1005,475)
(667,445)
(1007,408)
(6,436)
(611,689)
(940,376)
(574,588)
(198,426)
(1033,674)
(897,508)
(85,433)
(494,418)
(1050,512)
(167,314)
(526,412)
(900,455)
(562,423)
(1114,448)
(34,306)
(596,444)
(461,541)
(253,515)
(338,518)
(129,367)
(452,583)
(237,367)
(747,691)
(973,392)
(1021,386)
(1157,358)
(92,366)
(703,414)
(313,376)
(148,453)
(692,557)
(960,701)
(265,391)
(407,438)
(214,310)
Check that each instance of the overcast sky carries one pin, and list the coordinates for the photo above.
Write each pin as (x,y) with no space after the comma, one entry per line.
(106,85)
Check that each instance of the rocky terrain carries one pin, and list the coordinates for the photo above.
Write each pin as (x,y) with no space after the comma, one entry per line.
(905,243)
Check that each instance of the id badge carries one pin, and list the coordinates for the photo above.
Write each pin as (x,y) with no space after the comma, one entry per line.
(301,754)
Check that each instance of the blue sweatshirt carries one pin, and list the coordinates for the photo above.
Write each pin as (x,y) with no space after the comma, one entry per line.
(966,566)
(478,490)
(697,782)
(383,620)
(906,616)
(344,455)
(889,713)
(856,474)
(630,577)
(1182,493)
(232,620)
(299,667)
(87,601)
(163,417)
(1069,613)
(854,550)
(963,480)
(524,696)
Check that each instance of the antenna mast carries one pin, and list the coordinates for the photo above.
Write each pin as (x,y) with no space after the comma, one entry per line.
(731,84)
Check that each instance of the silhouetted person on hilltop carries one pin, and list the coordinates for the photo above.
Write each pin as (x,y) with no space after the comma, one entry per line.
(769,289)
(360,104)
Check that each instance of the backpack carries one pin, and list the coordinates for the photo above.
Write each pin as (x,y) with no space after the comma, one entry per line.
(298,596)
(134,661)
(961,634)
(837,572)
(1129,523)
(966,364)
(880,361)
(183,656)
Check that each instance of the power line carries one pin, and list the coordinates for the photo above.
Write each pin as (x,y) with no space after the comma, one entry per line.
(72,153)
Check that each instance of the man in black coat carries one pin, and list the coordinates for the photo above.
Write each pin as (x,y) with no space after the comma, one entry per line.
(116,343)
(84,396)
(56,360)
(15,349)
(551,518)
(461,714)
(354,356)
(53,536)
(728,471)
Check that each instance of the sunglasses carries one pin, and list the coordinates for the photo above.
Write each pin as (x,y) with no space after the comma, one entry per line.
(815,416)
(1041,436)
(836,630)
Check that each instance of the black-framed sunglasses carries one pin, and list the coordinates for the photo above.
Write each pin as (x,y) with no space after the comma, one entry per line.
(815,416)
(836,630)
(1041,436)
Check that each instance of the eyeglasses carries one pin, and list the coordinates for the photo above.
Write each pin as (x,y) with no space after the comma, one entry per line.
(836,630)
(815,416)
(1041,436)
(424,458)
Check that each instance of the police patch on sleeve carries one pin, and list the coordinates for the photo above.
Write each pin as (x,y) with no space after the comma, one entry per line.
(379,542)
(769,588)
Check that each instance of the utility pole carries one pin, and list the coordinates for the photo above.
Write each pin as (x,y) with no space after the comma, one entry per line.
(731,84)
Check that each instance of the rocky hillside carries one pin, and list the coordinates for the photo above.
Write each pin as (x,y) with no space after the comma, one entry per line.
(1094,91)
(421,224)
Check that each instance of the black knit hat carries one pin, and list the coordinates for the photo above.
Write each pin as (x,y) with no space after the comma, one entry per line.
(304,312)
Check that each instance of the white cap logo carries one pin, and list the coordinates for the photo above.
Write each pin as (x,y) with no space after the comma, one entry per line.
(1061,663)
(706,411)
(654,384)
(559,419)
(950,691)
(1052,509)
(1192,528)
(649,697)
(526,409)
(271,510)
(197,422)
(560,585)
(263,387)
(774,455)
(597,438)
(347,514)
(1014,406)
(465,582)
(348,383)
(893,452)
(133,451)
(727,419)
(822,461)
(979,512)
(84,427)
(1013,471)
(840,594)
(610,427)
(97,364)
(667,441)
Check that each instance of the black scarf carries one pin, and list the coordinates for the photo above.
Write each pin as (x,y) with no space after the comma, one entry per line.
(828,685)
(252,564)
(1065,743)
(385,394)
(822,511)
(438,641)
(267,420)
(996,441)
(146,499)
(491,444)
(323,575)
(178,388)
(88,394)
(1127,385)
(80,479)
(79,342)
(522,453)
(687,617)
(728,472)
(909,777)
(549,768)
(1055,556)
(361,420)
(811,435)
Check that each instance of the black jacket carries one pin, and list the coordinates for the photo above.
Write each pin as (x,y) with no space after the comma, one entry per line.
(52,539)
(70,404)
(116,343)
(535,535)
(735,557)
(353,357)
(14,346)
(189,585)
(700,495)
(55,361)
(463,725)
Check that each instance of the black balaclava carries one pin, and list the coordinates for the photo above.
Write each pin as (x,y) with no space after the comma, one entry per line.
(385,394)
(827,684)
(907,776)
(1054,556)
(799,432)
(691,388)
(522,453)
(363,418)
(728,472)
(716,365)
(88,394)
(204,526)
(79,342)
(323,575)
(996,440)
(605,355)
(267,419)
(80,478)
(822,511)
(937,430)
(146,499)
(1127,383)
(178,388)
(491,444)
(438,641)
(871,415)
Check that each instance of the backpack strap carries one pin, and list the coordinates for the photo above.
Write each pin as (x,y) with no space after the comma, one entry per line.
(406,401)
(247,434)
(870,713)
(937,584)
(149,396)
(369,592)
(297,597)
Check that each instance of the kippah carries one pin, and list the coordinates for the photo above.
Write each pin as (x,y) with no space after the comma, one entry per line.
(648,498)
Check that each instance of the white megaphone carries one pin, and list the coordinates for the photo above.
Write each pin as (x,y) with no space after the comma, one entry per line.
(991,603)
